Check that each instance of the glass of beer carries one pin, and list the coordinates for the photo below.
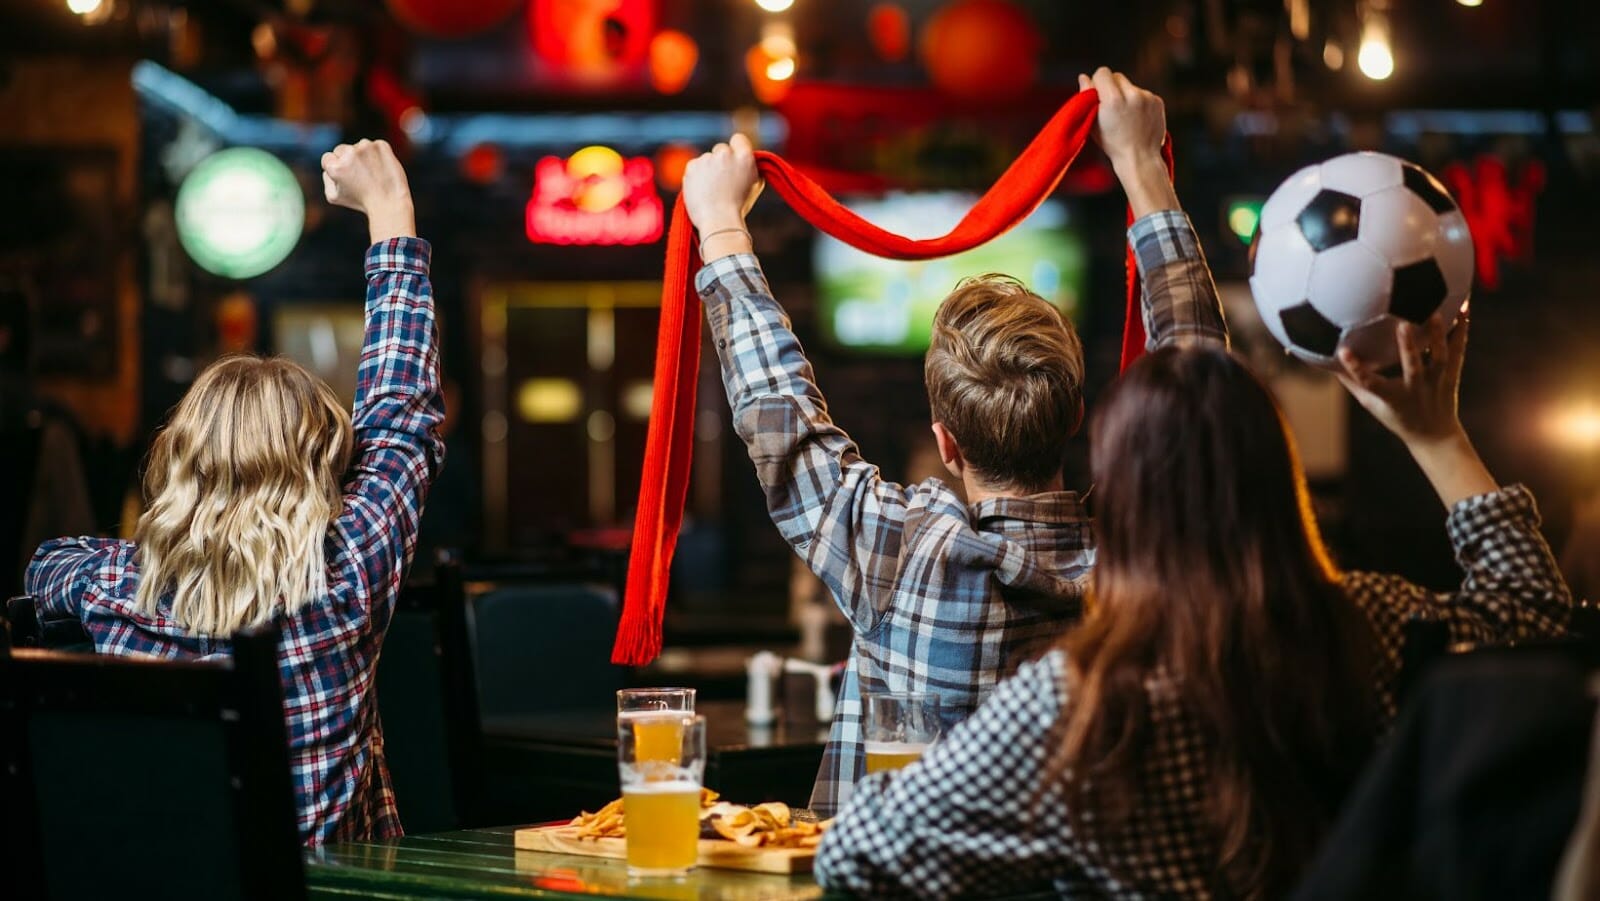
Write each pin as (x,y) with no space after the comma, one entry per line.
(661,794)
(656,717)
(899,727)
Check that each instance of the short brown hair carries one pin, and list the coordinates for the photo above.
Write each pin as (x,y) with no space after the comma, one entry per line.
(1005,377)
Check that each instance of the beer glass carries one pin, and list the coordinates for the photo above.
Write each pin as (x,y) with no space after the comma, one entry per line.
(661,794)
(656,717)
(899,727)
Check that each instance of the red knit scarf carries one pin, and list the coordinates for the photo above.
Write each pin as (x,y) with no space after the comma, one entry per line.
(664,483)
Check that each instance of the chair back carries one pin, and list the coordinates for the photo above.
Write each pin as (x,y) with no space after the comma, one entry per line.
(31,630)
(135,777)
(1476,791)
(428,703)
(545,647)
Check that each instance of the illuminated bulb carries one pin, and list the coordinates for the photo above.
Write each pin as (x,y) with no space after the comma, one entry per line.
(83,7)
(1375,58)
(1333,55)
(777,40)
(781,69)
(774,6)
(1470,2)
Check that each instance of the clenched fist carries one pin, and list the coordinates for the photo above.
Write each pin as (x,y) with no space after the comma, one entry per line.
(367,177)
(718,190)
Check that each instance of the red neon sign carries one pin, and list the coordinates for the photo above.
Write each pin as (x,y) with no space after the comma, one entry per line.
(594,197)
(1499,210)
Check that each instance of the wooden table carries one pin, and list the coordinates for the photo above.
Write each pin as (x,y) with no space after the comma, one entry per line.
(482,863)
(549,766)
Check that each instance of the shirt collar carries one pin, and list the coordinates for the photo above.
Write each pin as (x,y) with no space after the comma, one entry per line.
(1051,508)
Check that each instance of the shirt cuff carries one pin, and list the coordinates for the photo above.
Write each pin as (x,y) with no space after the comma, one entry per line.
(738,272)
(409,255)
(1162,237)
(1470,518)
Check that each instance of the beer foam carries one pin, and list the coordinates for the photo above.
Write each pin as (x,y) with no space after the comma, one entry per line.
(679,786)
(897,747)
(664,716)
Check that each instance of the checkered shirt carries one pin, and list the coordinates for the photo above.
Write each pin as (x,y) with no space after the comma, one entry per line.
(968,819)
(329,649)
(943,597)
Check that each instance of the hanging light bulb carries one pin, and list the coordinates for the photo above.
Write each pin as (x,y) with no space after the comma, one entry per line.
(1375,58)
(1299,18)
(781,69)
(1333,55)
(1470,2)
(83,7)
(774,6)
(777,39)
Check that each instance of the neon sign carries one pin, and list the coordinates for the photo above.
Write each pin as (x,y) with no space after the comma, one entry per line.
(594,196)
(1499,210)
(240,212)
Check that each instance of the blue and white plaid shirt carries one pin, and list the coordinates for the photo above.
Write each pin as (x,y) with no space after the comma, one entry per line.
(944,597)
(328,649)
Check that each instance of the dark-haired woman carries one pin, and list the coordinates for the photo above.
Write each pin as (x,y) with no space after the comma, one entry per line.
(1194,735)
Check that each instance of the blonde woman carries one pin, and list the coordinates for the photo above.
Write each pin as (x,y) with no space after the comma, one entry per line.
(266,502)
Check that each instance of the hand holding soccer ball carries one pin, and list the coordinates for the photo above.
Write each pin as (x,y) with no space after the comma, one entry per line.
(1351,248)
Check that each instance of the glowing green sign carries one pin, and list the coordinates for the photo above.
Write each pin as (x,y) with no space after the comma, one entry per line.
(1243,216)
(240,212)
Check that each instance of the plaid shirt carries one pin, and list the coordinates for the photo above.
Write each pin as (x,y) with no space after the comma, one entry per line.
(943,597)
(968,818)
(329,649)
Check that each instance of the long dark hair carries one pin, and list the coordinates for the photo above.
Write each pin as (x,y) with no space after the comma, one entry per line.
(1211,578)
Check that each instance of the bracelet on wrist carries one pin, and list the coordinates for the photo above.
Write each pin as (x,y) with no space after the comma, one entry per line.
(722,231)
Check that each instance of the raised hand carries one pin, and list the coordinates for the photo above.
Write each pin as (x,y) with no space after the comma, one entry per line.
(1130,127)
(367,177)
(1420,405)
(1132,122)
(719,187)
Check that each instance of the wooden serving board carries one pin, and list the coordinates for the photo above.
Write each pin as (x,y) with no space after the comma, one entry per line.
(717,853)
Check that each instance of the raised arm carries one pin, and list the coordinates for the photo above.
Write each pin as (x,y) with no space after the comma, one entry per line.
(832,507)
(1179,299)
(1512,590)
(398,404)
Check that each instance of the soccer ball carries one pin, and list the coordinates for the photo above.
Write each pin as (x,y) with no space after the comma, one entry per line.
(1348,248)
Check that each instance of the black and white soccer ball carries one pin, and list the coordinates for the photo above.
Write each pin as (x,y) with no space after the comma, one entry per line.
(1349,248)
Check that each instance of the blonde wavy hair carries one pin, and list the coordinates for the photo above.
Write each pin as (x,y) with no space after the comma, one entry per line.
(240,488)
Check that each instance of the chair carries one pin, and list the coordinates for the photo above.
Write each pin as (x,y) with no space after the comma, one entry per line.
(1477,790)
(142,778)
(545,647)
(428,704)
(1424,643)
(30,630)
(1578,878)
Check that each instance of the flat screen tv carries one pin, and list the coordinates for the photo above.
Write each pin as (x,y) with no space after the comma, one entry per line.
(868,304)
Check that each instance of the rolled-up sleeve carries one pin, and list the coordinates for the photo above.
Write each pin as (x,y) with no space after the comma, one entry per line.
(1179,299)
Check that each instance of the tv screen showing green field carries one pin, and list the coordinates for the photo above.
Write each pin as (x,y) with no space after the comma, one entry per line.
(873,305)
